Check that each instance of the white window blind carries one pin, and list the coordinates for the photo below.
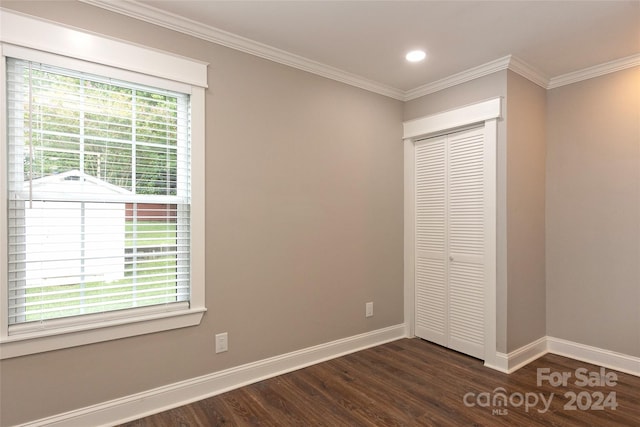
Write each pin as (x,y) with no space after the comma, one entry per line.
(98,194)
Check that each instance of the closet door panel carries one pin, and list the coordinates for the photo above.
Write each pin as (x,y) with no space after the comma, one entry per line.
(466,308)
(466,236)
(430,240)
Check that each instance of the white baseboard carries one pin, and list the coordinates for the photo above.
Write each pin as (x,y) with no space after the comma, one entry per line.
(516,359)
(526,354)
(500,363)
(597,356)
(160,399)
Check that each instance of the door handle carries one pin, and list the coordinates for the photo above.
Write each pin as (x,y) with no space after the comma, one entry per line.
(450,257)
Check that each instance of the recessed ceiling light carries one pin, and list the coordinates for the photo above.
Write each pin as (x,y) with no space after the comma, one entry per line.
(416,56)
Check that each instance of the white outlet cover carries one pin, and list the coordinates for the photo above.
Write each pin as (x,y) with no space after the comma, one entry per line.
(222,342)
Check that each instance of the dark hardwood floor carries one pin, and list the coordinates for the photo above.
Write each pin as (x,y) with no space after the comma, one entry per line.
(415,383)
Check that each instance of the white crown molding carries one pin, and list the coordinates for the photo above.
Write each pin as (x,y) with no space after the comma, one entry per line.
(458,78)
(510,62)
(595,71)
(174,22)
(528,71)
(171,396)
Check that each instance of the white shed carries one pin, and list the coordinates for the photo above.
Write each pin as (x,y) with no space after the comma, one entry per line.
(67,241)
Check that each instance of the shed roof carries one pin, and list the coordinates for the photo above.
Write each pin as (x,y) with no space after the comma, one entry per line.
(73,184)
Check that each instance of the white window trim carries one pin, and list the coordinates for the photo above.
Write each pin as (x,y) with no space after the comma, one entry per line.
(26,36)
(26,31)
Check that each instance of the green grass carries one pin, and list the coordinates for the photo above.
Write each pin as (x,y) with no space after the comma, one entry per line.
(152,233)
(161,266)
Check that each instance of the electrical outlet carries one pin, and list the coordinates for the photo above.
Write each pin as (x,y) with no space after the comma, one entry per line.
(222,342)
(368,312)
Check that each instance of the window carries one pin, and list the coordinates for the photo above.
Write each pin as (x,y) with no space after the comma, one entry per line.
(98,194)
(104,204)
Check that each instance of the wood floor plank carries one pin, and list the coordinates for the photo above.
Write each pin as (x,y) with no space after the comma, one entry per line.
(412,382)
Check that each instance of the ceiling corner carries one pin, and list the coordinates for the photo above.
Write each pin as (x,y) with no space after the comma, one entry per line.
(528,71)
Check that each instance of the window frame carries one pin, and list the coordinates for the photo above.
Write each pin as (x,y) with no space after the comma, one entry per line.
(32,39)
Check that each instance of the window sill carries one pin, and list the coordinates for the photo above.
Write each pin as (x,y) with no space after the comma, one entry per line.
(40,341)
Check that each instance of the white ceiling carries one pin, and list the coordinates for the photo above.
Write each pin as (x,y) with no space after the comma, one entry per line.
(370,38)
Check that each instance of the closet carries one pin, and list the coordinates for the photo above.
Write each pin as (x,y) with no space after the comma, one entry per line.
(452,220)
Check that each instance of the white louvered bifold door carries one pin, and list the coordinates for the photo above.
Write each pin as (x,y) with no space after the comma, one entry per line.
(466,242)
(450,241)
(431,250)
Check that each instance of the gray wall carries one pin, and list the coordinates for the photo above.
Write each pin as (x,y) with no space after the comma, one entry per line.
(568,207)
(304,188)
(480,89)
(526,143)
(593,212)
(305,222)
